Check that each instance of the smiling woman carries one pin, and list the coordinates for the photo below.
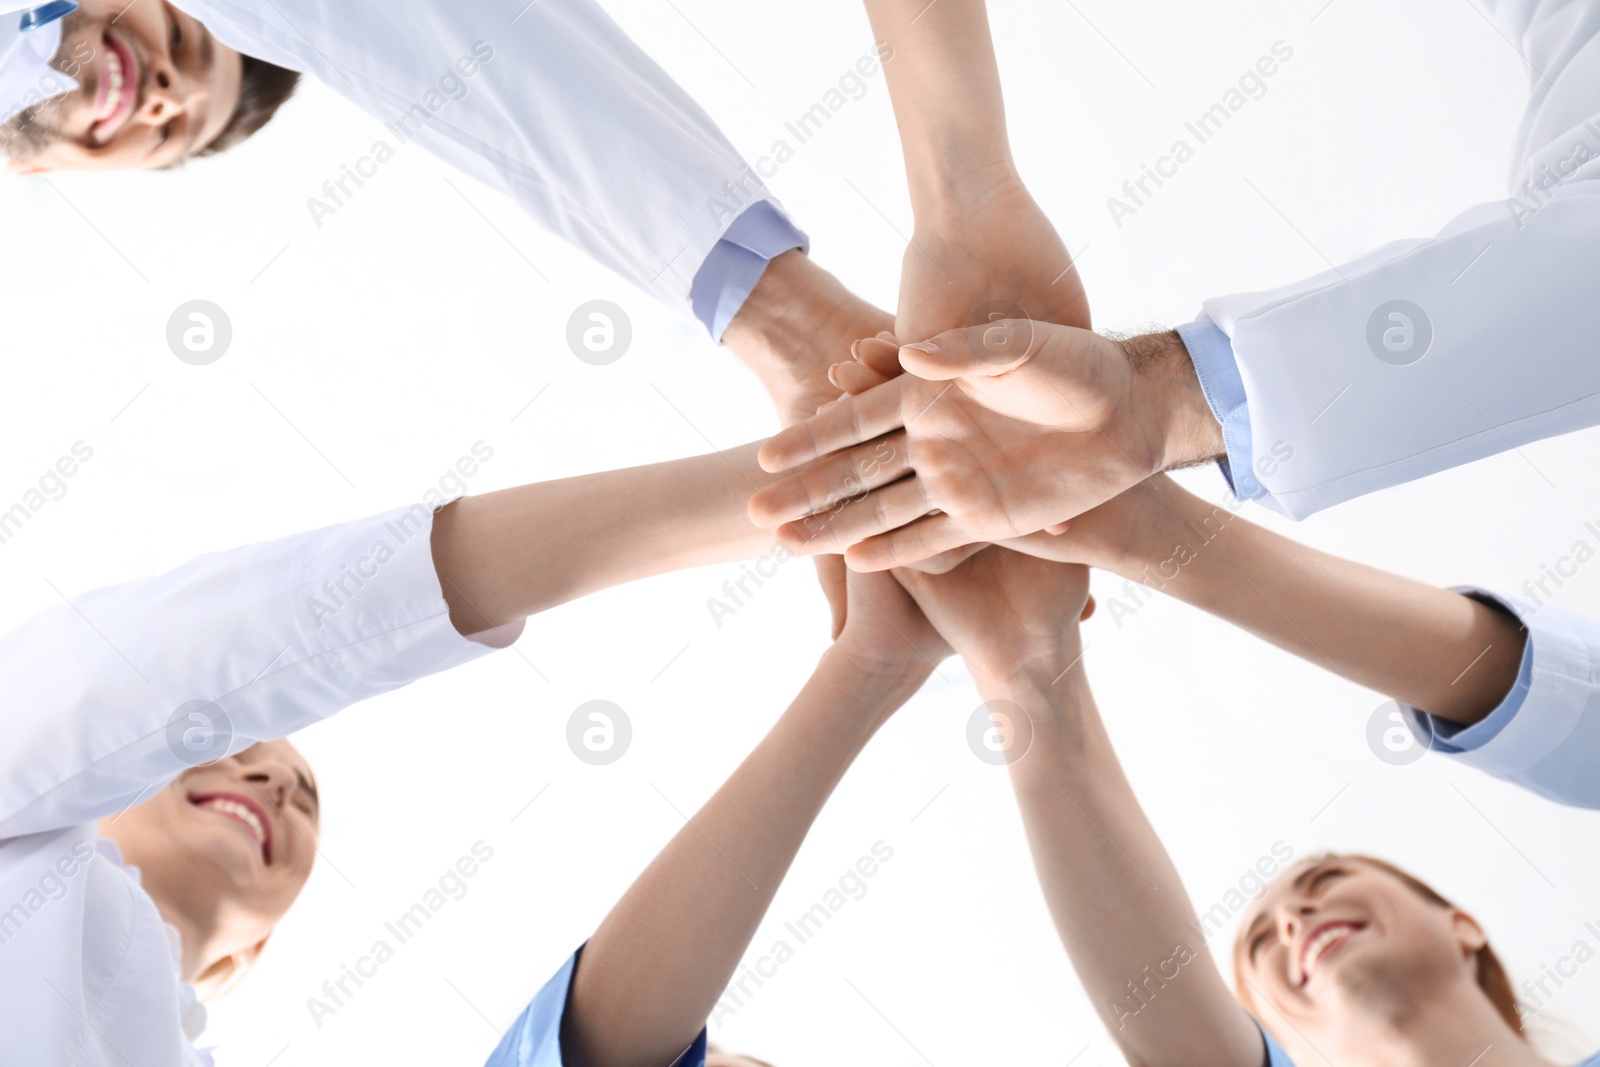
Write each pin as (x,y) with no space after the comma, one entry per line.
(154,87)
(223,851)
(1367,930)
(204,823)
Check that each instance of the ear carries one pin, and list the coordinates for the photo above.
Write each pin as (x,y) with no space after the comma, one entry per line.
(244,960)
(223,975)
(1469,935)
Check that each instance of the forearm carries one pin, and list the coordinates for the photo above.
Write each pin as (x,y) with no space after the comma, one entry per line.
(507,555)
(653,971)
(1442,652)
(944,83)
(1118,903)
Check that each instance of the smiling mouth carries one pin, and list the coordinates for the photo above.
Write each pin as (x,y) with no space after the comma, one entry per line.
(243,812)
(1323,941)
(119,76)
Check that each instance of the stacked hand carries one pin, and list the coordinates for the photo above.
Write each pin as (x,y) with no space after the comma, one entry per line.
(794,326)
(1006,613)
(998,431)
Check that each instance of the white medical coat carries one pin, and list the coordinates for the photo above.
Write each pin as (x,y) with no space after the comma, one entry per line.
(93,723)
(1502,312)
(561,110)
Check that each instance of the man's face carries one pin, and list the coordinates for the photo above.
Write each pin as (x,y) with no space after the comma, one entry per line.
(153,87)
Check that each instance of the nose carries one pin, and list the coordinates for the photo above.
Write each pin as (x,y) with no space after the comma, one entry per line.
(167,94)
(269,779)
(1292,918)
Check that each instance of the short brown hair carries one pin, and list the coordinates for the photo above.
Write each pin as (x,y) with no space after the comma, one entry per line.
(263,89)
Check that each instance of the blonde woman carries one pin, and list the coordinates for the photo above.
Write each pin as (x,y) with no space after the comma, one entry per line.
(155,827)
(1344,959)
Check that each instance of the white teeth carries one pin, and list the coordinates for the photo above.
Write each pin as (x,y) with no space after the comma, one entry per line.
(1314,949)
(240,812)
(114,78)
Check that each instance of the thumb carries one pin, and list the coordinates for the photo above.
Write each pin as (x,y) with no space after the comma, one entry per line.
(982,350)
(831,573)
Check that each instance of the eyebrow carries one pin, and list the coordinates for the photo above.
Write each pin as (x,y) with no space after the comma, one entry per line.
(308,787)
(1255,927)
(207,45)
(1307,874)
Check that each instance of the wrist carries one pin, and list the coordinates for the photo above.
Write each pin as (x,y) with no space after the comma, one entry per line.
(1039,672)
(951,181)
(790,298)
(880,682)
(797,321)
(1052,703)
(1165,532)
(1169,404)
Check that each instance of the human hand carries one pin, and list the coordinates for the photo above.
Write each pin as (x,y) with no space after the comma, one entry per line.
(985,256)
(1006,429)
(1006,613)
(976,260)
(1149,522)
(797,322)
(886,632)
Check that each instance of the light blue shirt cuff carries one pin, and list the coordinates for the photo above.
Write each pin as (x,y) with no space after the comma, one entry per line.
(1211,352)
(736,263)
(1451,738)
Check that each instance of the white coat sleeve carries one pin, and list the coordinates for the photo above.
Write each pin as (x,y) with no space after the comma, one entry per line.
(548,101)
(1545,735)
(1430,353)
(115,693)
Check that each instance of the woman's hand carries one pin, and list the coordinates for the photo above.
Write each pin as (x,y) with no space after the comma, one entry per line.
(1154,521)
(1005,612)
(982,258)
(885,632)
(994,258)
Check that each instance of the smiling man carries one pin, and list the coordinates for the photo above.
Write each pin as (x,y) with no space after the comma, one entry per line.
(551,103)
(152,87)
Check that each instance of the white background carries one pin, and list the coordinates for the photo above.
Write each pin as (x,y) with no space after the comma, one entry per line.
(372,352)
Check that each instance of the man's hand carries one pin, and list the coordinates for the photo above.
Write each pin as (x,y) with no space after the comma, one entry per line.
(1004,429)
(797,322)
(1006,613)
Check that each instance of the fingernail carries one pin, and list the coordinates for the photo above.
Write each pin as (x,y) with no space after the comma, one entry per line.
(833,375)
(855,352)
(923,346)
(886,335)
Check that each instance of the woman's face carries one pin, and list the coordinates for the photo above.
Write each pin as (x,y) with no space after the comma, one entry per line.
(229,844)
(1336,943)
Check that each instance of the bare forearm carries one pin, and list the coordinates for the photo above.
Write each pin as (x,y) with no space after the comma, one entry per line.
(653,971)
(1117,901)
(1445,653)
(944,83)
(504,556)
